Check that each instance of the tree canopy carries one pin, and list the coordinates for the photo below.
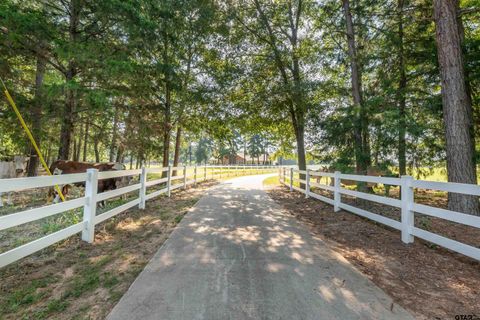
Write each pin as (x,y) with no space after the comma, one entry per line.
(345,83)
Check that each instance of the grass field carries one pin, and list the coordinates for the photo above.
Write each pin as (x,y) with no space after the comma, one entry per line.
(271,181)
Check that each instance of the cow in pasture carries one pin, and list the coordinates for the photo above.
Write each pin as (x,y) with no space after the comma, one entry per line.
(12,169)
(70,167)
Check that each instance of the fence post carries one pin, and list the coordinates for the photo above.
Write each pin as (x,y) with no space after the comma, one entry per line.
(336,193)
(220,173)
(169,181)
(307,184)
(90,207)
(195,175)
(291,179)
(143,188)
(407,212)
(205,173)
(184,177)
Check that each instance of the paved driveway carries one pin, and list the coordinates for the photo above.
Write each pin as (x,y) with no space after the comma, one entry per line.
(238,255)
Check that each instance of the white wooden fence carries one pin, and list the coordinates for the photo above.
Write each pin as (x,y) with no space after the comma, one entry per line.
(184,176)
(288,177)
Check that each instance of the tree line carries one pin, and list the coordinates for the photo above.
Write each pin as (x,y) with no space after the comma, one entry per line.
(348,83)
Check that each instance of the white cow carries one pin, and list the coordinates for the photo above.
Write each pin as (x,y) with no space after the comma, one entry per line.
(12,169)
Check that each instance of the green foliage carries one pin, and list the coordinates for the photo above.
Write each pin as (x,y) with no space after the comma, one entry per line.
(203,150)
(231,75)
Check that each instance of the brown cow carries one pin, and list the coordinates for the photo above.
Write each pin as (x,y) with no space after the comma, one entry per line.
(69,167)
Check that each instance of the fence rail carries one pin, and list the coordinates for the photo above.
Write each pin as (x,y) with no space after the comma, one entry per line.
(407,205)
(184,176)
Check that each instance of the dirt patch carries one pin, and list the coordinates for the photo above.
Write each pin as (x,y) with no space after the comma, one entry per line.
(429,281)
(77,280)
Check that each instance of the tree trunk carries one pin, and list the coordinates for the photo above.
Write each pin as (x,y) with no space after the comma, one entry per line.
(70,98)
(178,142)
(96,141)
(114,136)
(300,137)
(299,128)
(47,155)
(75,148)
(245,151)
(77,155)
(297,108)
(360,125)
(85,140)
(167,111)
(67,123)
(78,147)
(37,116)
(457,108)
(190,154)
(402,87)
(166,148)
(120,154)
(470,92)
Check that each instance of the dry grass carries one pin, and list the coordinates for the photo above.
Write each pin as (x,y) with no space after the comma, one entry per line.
(78,280)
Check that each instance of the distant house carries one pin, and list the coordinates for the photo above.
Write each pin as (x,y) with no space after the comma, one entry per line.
(237,159)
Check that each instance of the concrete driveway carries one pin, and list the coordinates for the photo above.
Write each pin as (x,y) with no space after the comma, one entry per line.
(238,255)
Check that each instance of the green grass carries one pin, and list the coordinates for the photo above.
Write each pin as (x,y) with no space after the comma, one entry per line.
(23,234)
(430,174)
(53,306)
(271,181)
(25,296)
(110,281)
(178,219)
(56,305)
(87,282)
(89,277)
(295,183)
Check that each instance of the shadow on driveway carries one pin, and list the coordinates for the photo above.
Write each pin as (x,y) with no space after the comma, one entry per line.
(238,255)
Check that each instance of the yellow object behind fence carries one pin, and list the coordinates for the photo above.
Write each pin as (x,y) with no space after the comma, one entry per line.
(30,136)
